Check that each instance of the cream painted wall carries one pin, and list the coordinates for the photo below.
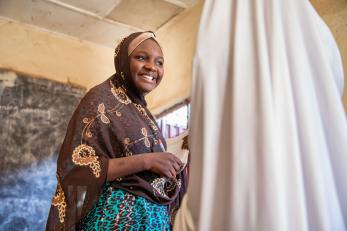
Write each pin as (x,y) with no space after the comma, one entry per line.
(58,57)
(334,13)
(178,40)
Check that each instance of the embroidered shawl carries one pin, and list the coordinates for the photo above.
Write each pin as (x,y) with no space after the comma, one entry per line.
(111,121)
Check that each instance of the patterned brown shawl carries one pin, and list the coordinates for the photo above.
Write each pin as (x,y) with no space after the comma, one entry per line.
(111,121)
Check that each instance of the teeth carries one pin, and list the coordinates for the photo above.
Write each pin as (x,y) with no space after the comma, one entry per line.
(148,77)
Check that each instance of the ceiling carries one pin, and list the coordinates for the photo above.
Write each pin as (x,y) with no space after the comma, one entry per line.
(103,22)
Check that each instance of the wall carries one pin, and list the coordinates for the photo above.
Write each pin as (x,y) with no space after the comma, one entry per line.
(334,13)
(178,41)
(34,113)
(54,56)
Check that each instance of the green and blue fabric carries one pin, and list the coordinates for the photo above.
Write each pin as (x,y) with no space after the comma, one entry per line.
(117,209)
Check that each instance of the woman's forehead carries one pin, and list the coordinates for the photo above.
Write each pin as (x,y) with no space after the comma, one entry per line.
(149,45)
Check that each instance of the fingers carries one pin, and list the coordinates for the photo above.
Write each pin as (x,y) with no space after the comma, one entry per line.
(177,166)
(179,161)
(175,159)
(170,173)
(173,173)
(167,165)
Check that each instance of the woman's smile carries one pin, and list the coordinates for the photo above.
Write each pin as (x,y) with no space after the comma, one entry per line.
(148,78)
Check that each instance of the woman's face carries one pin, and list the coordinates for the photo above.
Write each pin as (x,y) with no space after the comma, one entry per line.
(146,66)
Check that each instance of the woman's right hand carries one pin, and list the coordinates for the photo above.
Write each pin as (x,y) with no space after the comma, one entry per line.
(162,163)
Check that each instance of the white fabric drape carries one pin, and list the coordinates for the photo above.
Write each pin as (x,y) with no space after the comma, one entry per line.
(268,132)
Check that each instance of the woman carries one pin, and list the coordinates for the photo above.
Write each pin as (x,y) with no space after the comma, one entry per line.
(113,172)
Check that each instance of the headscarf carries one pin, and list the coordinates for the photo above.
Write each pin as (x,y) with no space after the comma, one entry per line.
(111,121)
(121,63)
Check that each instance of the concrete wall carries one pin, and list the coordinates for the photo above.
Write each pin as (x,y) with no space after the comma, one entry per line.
(34,114)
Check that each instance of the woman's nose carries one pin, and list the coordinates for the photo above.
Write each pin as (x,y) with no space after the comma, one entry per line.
(150,66)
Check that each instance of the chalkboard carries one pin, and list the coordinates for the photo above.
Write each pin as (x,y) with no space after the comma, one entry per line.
(34,113)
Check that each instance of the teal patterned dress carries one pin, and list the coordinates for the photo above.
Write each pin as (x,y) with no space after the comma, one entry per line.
(117,209)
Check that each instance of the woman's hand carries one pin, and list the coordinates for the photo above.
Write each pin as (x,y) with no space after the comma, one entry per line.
(162,163)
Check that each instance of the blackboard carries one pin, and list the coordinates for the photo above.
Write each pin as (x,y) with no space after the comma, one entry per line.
(34,113)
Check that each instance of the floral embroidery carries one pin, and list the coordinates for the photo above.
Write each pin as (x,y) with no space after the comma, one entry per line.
(89,134)
(158,187)
(102,114)
(85,155)
(162,186)
(120,95)
(86,131)
(85,120)
(59,200)
(127,143)
(144,114)
(116,51)
(146,140)
(103,117)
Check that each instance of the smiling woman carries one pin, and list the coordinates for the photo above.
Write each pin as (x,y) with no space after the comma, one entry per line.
(113,169)
(146,66)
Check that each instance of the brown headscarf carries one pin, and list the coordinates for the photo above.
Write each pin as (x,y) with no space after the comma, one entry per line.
(111,121)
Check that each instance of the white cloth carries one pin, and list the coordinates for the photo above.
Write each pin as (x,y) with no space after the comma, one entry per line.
(268,133)
(174,146)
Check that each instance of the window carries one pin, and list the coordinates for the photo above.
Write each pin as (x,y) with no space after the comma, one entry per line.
(174,121)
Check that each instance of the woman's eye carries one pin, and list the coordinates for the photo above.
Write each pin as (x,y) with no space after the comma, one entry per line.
(140,58)
(160,63)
